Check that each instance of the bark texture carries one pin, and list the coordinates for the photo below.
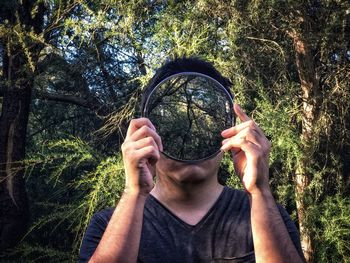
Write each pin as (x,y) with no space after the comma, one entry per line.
(310,94)
(19,59)
(13,199)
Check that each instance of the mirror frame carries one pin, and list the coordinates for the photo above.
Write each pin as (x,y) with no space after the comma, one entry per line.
(230,98)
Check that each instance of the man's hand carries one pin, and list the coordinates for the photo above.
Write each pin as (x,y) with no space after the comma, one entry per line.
(140,153)
(250,152)
(121,239)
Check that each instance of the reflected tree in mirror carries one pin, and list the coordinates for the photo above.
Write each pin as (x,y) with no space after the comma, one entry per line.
(189,111)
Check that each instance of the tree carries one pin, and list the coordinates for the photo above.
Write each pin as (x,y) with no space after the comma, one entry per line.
(84,68)
(278,43)
(45,56)
(19,55)
(283,55)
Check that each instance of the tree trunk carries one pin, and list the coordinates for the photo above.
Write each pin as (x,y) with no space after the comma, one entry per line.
(20,55)
(13,199)
(310,95)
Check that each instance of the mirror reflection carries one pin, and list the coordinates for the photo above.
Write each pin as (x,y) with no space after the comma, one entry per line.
(189,111)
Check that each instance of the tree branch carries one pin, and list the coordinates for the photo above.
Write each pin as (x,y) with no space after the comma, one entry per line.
(91,103)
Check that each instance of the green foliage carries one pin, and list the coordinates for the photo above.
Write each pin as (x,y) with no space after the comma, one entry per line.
(331,226)
(29,252)
(78,181)
(105,52)
(275,121)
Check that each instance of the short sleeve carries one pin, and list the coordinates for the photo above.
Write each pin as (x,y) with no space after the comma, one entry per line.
(292,230)
(93,234)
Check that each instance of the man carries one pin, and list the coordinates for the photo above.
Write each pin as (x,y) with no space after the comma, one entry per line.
(186,215)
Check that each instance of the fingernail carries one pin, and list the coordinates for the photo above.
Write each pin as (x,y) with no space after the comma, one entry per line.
(223,133)
(224,141)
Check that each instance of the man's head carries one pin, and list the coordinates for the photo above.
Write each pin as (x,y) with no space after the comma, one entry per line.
(184,64)
(179,170)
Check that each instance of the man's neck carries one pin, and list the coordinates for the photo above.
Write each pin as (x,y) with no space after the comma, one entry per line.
(190,201)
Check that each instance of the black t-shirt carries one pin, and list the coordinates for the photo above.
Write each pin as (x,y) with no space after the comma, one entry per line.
(223,235)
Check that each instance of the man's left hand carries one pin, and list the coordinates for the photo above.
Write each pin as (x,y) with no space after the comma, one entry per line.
(250,152)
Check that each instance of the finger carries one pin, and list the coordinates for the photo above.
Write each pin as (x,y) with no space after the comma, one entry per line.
(146,131)
(149,152)
(236,129)
(254,134)
(145,142)
(251,135)
(230,132)
(234,150)
(239,143)
(240,113)
(244,117)
(135,124)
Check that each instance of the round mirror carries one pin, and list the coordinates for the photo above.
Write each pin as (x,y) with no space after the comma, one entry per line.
(189,111)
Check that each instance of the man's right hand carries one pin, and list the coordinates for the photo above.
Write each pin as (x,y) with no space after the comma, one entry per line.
(121,239)
(140,153)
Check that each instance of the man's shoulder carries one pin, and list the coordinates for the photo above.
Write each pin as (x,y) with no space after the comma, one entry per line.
(235,191)
(233,200)
(103,216)
(236,194)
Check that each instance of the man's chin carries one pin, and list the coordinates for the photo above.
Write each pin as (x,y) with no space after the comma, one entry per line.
(191,174)
(188,173)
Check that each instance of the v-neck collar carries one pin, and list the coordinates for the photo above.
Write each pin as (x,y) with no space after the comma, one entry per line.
(183,223)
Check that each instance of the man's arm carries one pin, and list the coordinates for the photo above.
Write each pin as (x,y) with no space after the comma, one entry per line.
(250,149)
(272,242)
(121,239)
